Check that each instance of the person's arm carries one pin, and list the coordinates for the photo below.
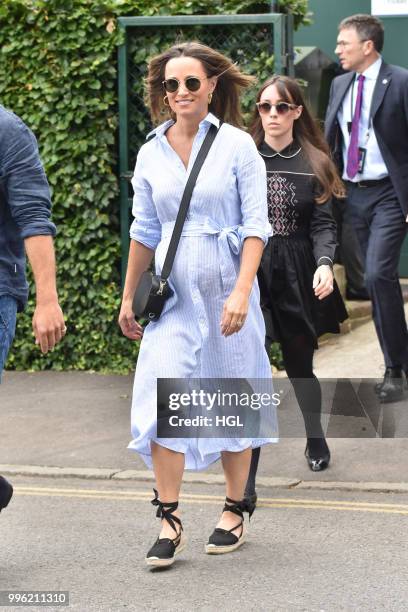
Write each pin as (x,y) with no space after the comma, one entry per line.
(323,232)
(331,94)
(29,200)
(28,193)
(139,260)
(254,233)
(236,306)
(145,234)
(48,320)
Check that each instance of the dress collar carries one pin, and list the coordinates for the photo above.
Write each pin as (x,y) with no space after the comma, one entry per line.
(163,127)
(288,152)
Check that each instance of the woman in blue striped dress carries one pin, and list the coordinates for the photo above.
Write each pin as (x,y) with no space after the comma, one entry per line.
(212,326)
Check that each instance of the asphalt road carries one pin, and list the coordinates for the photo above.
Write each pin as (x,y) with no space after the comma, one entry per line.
(306,550)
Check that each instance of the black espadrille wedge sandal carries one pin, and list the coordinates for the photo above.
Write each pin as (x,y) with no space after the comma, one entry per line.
(164,550)
(224,540)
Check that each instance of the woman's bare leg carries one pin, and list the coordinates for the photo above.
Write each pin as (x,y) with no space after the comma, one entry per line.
(236,470)
(168,469)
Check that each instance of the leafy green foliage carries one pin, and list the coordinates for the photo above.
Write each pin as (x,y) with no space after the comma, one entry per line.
(58,72)
(275,356)
(250,46)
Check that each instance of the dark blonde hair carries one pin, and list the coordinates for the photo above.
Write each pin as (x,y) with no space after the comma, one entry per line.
(225,103)
(308,135)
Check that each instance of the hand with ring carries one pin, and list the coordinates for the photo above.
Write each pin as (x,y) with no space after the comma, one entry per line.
(234,312)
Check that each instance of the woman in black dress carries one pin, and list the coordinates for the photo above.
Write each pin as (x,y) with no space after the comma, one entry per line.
(299,297)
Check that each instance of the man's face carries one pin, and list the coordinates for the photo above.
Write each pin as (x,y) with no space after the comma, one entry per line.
(352,51)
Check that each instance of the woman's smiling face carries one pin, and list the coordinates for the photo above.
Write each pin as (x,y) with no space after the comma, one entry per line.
(183,102)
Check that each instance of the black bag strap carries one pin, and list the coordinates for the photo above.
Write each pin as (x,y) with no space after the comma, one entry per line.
(185,200)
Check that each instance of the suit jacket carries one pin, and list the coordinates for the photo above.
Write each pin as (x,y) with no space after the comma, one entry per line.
(390,121)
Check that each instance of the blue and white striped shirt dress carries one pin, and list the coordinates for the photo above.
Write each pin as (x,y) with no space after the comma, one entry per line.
(228,205)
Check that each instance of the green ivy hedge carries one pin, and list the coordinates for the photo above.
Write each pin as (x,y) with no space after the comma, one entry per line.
(58,72)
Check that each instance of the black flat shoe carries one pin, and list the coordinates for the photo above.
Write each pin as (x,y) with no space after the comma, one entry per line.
(164,550)
(392,387)
(223,541)
(6,493)
(317,462)
(391,375)
(360,296)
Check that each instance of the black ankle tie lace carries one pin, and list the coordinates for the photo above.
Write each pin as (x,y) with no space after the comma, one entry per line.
(237,507)
(165,510)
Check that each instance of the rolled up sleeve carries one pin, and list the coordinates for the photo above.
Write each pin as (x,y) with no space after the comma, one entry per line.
(251,178)
(146,227)
(28,192)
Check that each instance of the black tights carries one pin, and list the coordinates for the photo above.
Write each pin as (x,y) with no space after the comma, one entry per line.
(298,359)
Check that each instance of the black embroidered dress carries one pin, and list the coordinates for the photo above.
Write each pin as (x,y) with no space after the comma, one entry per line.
(303,233)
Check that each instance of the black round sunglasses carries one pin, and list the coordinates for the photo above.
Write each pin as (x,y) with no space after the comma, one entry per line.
(192,83)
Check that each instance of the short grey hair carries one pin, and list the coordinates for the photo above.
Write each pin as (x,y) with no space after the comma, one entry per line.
(367,27)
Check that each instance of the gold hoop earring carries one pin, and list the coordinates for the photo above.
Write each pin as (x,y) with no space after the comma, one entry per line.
(166,101)
(210,98)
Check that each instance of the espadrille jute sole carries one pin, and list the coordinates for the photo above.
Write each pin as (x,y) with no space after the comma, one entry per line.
(156,562)
(212,549)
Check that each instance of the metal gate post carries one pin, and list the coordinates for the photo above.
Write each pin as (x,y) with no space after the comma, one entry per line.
(289,51)
(283,45)
(123,91)
(279,35)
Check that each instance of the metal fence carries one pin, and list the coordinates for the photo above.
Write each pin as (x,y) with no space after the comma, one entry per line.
(261,44)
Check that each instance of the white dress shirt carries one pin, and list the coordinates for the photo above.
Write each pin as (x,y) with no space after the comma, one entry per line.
(374,167)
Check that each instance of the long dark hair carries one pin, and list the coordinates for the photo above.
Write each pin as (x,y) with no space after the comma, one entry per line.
(225,103)
(308,135)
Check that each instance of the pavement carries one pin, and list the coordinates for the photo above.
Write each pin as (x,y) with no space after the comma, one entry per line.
(77,424)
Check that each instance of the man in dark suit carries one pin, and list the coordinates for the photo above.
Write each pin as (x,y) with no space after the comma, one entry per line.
(367,130)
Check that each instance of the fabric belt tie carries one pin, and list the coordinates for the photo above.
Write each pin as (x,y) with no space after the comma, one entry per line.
(229,241)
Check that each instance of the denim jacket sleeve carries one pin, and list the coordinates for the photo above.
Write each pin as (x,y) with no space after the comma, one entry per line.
(28,193)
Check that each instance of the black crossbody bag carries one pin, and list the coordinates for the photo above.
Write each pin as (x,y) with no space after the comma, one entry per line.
(154,290)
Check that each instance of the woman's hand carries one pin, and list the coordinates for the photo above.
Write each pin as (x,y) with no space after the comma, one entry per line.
(234,312)
(130,328)
(323,282)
